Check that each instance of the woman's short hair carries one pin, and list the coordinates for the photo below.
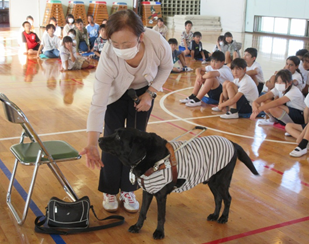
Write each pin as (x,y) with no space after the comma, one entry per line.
(124,19)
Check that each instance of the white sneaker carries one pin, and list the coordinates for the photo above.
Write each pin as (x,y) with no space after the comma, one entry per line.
(192,103)
(216,109)
(204,62)
(299,152)
(110,203)
(188,69)
(129,202)
(287,134)
(229,115)
(265,122)
(187,99)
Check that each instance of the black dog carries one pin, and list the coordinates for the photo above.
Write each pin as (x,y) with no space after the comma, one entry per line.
(143,152)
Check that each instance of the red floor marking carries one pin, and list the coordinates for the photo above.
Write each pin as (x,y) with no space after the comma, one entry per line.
(281,173)
(176,92)
(253,232)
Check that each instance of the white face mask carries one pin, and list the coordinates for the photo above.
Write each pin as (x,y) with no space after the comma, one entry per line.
(128,53)
(280,87)
(70,20)
(72,36)
(221,43)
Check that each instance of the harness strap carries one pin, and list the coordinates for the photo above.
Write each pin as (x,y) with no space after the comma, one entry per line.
(162,166)
(173,161)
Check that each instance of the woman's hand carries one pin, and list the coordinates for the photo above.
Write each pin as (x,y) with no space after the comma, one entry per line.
(145,102)
(93,159)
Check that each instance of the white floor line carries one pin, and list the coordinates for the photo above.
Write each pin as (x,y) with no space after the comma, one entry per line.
(209,128)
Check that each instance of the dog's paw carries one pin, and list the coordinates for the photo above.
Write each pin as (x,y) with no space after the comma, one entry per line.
(222,219)
(134,229)
(212,217)
(158,234)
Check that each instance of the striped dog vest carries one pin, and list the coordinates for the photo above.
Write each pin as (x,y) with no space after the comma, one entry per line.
(196,163)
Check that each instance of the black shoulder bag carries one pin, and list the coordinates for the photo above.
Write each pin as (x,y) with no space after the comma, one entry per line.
(65,218)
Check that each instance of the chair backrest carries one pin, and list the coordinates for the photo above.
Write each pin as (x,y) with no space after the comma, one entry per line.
(15,115)
(12,112)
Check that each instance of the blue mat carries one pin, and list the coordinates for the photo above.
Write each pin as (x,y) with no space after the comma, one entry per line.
(209,100)
(260,115)
(87,54)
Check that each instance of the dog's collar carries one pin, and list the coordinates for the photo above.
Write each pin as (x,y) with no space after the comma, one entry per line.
(131,175)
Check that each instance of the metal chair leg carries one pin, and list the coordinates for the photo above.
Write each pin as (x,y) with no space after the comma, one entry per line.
(63,181)
(19,220)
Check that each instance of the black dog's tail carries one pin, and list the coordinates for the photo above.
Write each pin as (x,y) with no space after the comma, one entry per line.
(243,157)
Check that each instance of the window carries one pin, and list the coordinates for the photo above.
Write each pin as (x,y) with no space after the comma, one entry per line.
(282,26)
(4,4)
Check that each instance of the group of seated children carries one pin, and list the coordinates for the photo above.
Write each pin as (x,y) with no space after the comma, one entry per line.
(77,40)
(238,90)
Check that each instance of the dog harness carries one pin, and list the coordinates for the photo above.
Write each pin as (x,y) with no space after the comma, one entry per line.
(196,163)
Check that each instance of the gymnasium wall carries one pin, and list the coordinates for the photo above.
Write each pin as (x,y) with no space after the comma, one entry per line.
(231,12)
(275,8)
(20,9)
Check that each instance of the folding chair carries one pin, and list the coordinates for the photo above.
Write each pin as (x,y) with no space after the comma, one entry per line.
(35,153)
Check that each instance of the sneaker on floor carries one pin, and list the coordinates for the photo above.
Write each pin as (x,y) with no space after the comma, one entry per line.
(216,109)
(188,69)
(129,202)
(298,152)
(287,134)
(204,62)
(110,203)
(193,103)
(265,122)
(187,99)
(229,115)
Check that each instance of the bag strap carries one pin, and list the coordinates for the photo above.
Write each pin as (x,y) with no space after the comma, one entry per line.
(52,230)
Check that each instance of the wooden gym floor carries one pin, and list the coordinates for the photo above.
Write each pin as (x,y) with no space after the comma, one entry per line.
(271,208)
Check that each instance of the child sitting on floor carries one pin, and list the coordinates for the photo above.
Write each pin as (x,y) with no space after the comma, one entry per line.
(230,48)
(303,55)
(219,44)
(50,43)
(161,27)
(254,69)
(178,57)
(186,38)
(30,39)
(99,42)
(291,64)
(239,94)
(209,80)
(196,47)
(287,108)
(72,34)
(69,58)
(82,40)
(300,132)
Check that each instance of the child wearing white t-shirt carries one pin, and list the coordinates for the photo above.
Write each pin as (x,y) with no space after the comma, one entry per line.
(287,108)
(254,69)
(210,82)
(239,94)
(69,58)
(50,43)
